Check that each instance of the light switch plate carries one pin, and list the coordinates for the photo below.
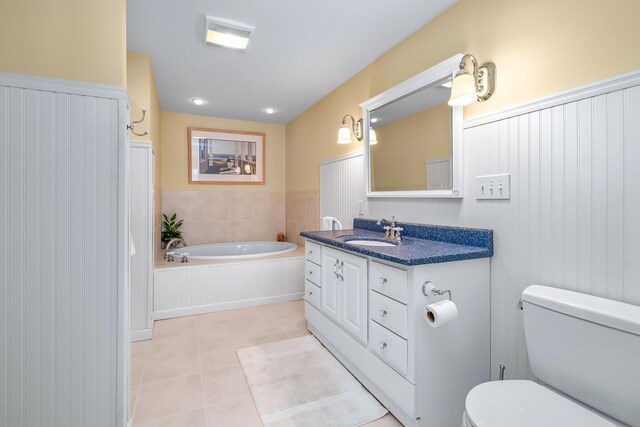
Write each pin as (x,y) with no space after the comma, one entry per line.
(493,187)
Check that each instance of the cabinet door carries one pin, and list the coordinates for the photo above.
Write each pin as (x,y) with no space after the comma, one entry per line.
(353,290)
(330,301)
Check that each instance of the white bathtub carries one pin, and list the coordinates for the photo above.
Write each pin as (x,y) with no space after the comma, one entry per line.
(236,250)
(239,278)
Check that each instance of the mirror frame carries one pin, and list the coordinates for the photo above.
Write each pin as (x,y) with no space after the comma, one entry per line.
(447,68)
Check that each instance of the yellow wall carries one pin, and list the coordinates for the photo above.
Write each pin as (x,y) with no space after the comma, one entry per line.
(71,39)
(174,151)
(141,86)
(539,47)
(406,144)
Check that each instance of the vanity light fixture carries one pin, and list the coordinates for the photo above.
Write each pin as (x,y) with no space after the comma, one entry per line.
(344,133)
(477,84)
(373,138)
(227,33)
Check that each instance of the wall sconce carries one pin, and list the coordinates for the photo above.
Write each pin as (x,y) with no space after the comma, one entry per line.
(475,85)
(344,133)
(373,138)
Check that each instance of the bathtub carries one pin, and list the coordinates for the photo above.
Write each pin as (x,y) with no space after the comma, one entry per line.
(237,250)
(227,276)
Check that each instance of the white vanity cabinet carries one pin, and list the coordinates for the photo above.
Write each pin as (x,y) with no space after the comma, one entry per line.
(370,316)
(344,296)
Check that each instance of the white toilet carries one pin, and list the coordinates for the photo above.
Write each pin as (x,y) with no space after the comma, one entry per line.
(585,349)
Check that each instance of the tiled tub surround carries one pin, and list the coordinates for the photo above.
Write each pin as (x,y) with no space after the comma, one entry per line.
(205,286)
(302,214)
(212,216)
(420,244)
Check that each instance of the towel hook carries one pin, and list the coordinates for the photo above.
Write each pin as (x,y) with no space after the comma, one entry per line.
(135,122)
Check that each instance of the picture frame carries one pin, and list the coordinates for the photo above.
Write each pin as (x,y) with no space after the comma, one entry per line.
(218,156)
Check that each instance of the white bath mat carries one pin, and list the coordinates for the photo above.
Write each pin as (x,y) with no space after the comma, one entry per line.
(298,383)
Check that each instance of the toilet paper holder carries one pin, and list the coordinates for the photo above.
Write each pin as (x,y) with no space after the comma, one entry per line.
(429,290)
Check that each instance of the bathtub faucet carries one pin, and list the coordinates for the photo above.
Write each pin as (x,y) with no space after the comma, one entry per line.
(173,243)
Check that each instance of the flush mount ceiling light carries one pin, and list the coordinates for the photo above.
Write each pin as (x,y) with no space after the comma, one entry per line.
(344,133)
(269,110)
(227,33)
(477,84)
(198,101)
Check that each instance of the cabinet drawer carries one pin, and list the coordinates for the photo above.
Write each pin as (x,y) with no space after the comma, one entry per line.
(389,313)
(312,294)
(389,347)
(313,252)
(313,272)
(389,281)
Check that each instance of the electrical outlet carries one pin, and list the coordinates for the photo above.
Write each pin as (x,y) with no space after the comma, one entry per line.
(360,207)
(493,187)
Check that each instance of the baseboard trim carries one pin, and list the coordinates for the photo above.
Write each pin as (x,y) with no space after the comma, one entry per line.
(141,335)
(211,308)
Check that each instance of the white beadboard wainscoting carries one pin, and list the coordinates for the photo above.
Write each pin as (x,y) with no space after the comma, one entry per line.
(63,253)
(195,289)
(573,220)
(342,187)
(141,226)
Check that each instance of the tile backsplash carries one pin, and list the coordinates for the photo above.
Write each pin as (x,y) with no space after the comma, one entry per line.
(302,214)
(229,216)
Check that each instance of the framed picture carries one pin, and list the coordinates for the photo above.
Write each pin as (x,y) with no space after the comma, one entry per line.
(226,157)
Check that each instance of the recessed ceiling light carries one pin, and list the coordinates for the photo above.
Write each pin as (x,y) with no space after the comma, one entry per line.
(374,119)
(198,101)
(227,33)
(269,110)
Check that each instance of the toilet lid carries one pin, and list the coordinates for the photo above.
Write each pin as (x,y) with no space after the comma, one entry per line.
(525,404)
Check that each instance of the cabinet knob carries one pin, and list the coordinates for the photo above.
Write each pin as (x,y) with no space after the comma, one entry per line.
(383,280)
(383,312)
(382,345)
(310,251)
(310,272)
(310,293)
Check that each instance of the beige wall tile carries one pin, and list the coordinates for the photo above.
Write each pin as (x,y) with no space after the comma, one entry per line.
(264,208)
(215,231)
(217,206)
(240,231)
(312,210)
(192,232)
(263,230)
(300,211)
(240,207)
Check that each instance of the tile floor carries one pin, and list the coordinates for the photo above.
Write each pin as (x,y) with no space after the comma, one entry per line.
(188,375)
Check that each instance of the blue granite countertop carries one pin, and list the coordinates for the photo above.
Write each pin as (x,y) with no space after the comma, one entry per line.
(420,244)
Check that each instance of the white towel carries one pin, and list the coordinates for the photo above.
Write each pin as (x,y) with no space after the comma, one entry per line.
(326,223)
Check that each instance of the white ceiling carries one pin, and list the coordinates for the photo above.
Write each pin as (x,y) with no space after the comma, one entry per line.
(299,52)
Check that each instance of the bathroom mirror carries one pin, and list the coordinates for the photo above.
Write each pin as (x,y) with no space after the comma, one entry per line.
(412,145)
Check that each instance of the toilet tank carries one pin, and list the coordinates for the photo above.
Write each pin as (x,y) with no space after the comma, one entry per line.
(587,347)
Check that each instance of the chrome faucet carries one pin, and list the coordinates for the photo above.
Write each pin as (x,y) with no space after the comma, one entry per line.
(168,254)
(391,231)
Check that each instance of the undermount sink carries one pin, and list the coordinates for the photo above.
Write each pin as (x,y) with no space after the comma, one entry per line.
(370,243)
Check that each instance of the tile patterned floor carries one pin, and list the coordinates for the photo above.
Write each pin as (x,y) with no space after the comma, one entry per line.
(188,375)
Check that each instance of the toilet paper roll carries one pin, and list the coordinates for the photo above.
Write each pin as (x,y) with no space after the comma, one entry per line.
(440,313)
